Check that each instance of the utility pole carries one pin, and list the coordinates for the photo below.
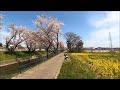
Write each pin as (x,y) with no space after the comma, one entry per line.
(110,39)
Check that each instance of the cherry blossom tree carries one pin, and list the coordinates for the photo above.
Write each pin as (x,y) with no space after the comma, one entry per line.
(61,46)
(16,37)
(32,41)
(47,28)
(57,32)
(1,17)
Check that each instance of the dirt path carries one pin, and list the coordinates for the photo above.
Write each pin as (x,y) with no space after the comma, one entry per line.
(47,70)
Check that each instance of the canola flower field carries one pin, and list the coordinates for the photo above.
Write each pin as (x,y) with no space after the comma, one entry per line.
(91,66)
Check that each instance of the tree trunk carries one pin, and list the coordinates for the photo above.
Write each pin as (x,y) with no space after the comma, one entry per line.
(47,52)
(33,50)
(57,44)
(29,49)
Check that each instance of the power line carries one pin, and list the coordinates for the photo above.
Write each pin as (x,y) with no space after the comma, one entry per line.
(110,39)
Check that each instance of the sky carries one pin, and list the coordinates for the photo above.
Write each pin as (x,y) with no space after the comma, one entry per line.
(92,26)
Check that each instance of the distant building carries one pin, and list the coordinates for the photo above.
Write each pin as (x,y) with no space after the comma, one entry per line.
(2,47)
(20,48)
(101,49)
(42,49)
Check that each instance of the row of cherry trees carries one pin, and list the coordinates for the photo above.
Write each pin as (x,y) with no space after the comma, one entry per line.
(0,20)
(1,17)
(44,37)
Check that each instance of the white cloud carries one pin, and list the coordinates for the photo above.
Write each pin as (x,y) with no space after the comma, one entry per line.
(3,35)
(111,18)
(99,37)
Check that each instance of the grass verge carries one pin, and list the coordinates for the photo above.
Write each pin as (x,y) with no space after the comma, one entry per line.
(74,69)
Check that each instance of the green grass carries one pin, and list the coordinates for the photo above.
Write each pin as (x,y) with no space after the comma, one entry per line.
(19,54)
(4,56)
(74,69)
(22,55)
(10,75)
(7,76)
(77,69)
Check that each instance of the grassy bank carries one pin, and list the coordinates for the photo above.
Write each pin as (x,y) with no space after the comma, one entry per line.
(91,66)
(74,69)
(23,55)
(19,54)
(17,72)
